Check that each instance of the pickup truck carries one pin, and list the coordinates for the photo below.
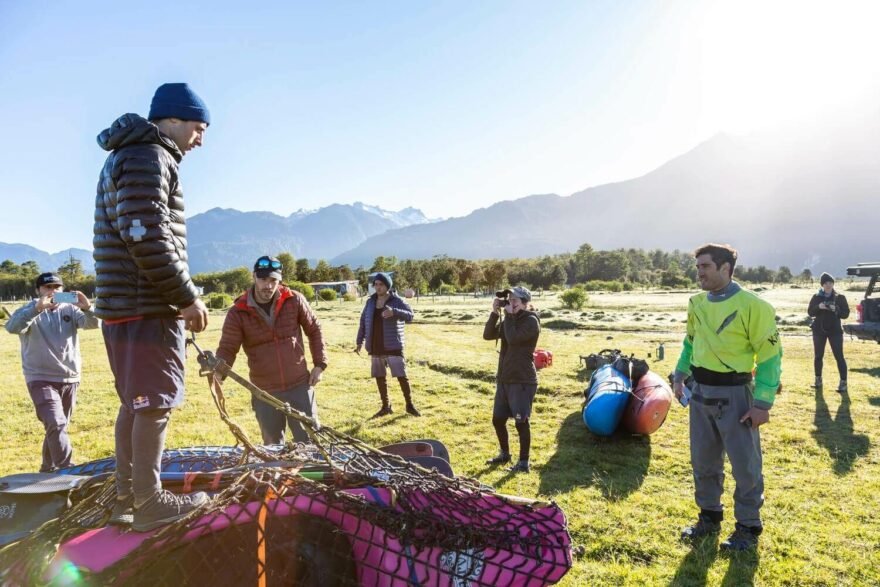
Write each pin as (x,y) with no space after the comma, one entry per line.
(867,326)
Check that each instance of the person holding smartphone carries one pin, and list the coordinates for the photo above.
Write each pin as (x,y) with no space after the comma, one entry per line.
(828,308)
(48,329)
(731,334)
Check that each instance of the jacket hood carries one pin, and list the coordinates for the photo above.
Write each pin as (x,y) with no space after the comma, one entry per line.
(132,129)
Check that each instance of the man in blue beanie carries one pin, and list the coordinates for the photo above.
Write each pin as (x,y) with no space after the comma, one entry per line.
(145,295)
(381,328)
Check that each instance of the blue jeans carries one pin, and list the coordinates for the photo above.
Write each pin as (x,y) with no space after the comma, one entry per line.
(272,421)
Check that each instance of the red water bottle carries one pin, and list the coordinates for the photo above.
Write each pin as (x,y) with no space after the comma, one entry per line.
(859,311)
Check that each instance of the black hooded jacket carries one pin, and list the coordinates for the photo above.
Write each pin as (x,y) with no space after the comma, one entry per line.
(519,336)
(828,321)
(140,232)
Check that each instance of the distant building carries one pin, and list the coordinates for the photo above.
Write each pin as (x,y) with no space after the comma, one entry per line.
(341,287)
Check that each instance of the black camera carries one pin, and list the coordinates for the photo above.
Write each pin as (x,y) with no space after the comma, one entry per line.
(502,295)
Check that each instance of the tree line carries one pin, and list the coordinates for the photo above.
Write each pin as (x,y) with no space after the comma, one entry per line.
(614,269)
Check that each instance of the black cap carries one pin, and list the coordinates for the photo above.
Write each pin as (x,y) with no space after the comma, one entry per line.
(826,277)
(267,266)
(48,279)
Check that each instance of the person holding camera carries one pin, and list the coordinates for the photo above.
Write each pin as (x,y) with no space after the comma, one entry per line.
(517,326)
(828,308)
(49,332)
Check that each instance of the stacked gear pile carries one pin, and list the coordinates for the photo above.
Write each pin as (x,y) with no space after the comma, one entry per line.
(333,512)
(623,389)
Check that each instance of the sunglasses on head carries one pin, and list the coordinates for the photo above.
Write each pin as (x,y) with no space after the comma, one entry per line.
(267,263)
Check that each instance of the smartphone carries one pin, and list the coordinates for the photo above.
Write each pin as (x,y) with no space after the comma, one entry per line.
(685,396)
(65,297)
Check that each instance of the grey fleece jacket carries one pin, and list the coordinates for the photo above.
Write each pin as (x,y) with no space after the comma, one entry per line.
(50,341)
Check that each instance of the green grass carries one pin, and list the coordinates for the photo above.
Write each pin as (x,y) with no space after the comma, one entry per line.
(625,497)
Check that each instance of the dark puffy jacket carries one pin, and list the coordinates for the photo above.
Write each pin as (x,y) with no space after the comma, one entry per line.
(828,321)
(140,233)
(274,346)
(392,333)
(519,336)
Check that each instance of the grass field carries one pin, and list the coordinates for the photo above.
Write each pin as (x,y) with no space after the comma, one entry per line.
(626,498)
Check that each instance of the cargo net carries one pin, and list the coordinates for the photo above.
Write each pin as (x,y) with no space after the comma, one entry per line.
(331,512)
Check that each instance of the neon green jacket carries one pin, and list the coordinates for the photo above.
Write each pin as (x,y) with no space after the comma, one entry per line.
(738,334)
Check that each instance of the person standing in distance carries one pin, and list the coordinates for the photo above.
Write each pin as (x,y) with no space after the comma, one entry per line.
(145,295)
(51,361)
(730,333)
(828,308)
(381,328)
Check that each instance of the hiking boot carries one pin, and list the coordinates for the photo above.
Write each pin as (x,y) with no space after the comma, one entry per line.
(122,513)
(705,526)
(818,383)
(743,538)
(412,411)
(842,388)
(385,411)
(165,507)
(520,467)
(501,458)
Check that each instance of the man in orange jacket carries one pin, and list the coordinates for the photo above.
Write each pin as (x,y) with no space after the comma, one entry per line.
(268,321)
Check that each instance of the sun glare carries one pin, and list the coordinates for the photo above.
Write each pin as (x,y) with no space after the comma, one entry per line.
(766,63)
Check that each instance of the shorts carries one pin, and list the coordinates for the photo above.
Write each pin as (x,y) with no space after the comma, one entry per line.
(147,358)
(514,400)
(396,363)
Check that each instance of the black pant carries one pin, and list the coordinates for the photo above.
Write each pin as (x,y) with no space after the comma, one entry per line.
(836,341)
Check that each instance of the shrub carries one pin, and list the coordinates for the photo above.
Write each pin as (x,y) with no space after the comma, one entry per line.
(574,298)
(447,289)
(349,297)
(601,285)
(561,325)
(303,288)
(326,294)
(218,301)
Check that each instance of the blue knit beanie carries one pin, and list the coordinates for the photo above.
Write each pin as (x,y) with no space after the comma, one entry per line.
(384,278)
(178,101)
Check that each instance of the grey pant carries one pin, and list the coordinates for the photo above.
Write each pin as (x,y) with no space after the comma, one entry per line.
(54,403)
(140,439)
(272,422)
(715,430)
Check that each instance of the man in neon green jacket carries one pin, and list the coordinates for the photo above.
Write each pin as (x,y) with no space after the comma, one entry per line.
(731,334)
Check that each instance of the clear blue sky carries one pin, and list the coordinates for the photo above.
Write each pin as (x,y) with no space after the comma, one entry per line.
(444,106)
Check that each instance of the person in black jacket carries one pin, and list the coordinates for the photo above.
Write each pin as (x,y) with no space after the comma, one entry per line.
(145,295)
(828,308)
(517,379)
